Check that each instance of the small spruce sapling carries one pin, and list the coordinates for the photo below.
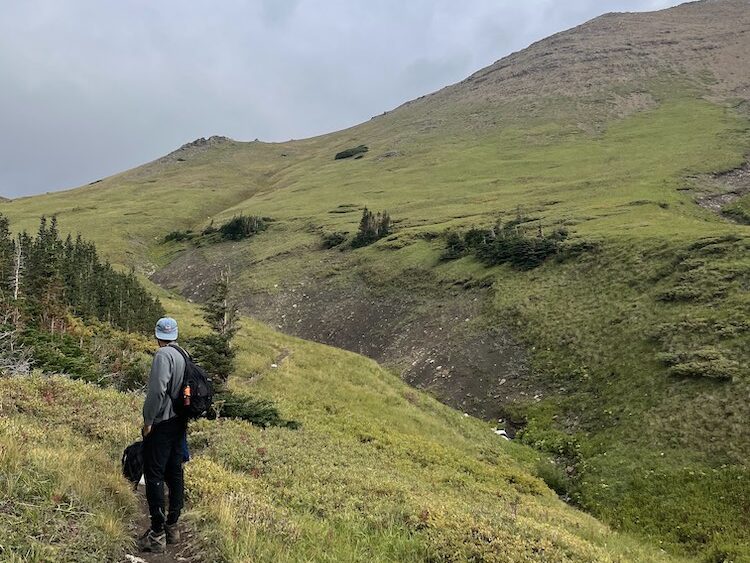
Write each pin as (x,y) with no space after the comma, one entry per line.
(214,351)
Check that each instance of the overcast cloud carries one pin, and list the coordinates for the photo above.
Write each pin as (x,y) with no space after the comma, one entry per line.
(90,87)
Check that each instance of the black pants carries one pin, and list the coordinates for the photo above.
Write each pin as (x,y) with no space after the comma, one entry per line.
(162,462)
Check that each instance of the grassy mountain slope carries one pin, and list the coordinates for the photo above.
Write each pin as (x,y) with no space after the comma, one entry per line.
(637,347)
(377,472)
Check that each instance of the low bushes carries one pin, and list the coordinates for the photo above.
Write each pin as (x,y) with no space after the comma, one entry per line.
(180,236)
(59,353)
(358,151)
(505,245)
(256,411)
(53,432)
(737,213)
(332,240)
(237,228)
(50,513)
(242,226)
(710,363)
(94,352)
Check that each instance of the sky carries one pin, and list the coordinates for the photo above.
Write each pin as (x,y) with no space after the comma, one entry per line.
(89,88)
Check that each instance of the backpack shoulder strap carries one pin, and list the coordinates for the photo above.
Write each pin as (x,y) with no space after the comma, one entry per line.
(187,358)
(183,353)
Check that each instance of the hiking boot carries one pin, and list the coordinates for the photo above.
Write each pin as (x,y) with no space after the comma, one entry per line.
(172,533)
(153,542)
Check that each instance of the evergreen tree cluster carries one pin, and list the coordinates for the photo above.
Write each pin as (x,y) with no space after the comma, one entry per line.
(237,228)
(43,278)
(508,244)
(372,227)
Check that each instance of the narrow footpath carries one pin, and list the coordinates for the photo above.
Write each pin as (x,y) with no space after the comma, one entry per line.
(184,552)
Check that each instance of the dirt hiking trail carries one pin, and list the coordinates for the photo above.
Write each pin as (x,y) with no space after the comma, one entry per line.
(187,551)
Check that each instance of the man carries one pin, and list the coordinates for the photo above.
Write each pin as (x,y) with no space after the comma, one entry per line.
(163,439)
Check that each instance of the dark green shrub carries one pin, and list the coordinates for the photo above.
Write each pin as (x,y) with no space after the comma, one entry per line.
(354,151)
(737,214)
(556,478)
(332,240)
(60,353)
(237,228)
(725,240)
(709,363)
(455,247)
(520,251)
(123,358)
(723,369)
(242,226)
(260,412)
(559,234)
(476,238)
(680,293)
(179,236)
(508,245)
(541,436)
(726,553)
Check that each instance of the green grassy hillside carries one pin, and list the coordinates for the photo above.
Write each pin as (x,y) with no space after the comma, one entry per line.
(377,472)
(637,344)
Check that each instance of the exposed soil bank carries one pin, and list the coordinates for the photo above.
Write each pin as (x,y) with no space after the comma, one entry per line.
(436,341)
(727,188)
(435,344)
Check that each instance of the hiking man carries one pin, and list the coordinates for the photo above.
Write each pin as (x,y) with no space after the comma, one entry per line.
(163,439)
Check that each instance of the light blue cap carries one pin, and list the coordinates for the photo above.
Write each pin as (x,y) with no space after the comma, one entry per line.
(166,329)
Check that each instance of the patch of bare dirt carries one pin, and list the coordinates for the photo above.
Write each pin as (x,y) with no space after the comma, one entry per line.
(719,190)
(628,104)
(433,341)
(187,551)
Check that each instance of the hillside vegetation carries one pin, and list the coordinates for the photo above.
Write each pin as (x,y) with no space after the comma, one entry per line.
(635,334)
(377,472)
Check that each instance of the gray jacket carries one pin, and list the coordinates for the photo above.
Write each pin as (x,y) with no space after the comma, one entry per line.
(164,383)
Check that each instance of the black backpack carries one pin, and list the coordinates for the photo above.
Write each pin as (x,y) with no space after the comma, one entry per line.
(198,402)
(132,463)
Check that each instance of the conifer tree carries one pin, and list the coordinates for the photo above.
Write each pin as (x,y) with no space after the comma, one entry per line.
(221,313)
(372,228)
(46,277)
(384,228)
(20,258)
(214,351)
(7,258)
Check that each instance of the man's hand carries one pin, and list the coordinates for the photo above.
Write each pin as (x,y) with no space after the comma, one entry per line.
(145,430)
